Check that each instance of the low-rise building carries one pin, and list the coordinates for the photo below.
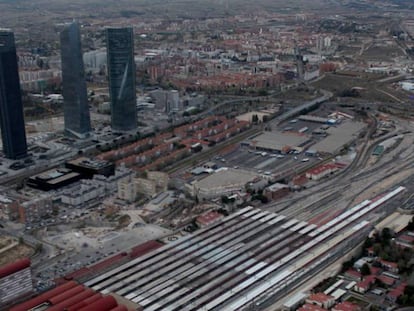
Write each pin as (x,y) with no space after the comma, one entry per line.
(363,286)
(208,218)
(321,300)
(319,172)
(276,191)
(346,306)
(222,182)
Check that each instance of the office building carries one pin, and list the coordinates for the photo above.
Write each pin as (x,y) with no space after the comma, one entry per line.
(11,107)
(121,73)
(76,107)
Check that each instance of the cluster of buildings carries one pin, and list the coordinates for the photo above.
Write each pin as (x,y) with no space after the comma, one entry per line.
(251,257)
(131,188)
(153,153)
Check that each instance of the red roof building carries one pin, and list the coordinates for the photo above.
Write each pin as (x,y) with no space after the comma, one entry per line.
(353,274)
(389,281)
(311,307)
(15,281)
(396,292)
(321,300)
(388,265)
(346,306)
(14,267)
(208,218)
(71,297)
(321,171)
(365,285)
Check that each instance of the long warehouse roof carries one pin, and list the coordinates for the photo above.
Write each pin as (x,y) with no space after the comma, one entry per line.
(229,264)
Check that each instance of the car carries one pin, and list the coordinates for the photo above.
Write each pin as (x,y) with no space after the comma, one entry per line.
(305,160)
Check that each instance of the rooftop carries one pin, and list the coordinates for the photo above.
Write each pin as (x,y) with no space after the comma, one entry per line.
(226,177)
(339,136)
(14,267)
(278,140)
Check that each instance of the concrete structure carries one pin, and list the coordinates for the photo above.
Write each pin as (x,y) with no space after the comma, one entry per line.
(11,108)
(321,300)
(53,179)
(95,60)
(90,167)
(319,172)
(36,209)
(92,191)
(9,208)
(222,182)
(251,258)
(208,219)
(276,191)
(121,74)
(129,189)
(15,281)
(167,100)
(248,116)
(338,137)
(278,141)
(76,106)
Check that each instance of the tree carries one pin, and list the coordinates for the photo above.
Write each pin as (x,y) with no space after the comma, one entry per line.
(365,269)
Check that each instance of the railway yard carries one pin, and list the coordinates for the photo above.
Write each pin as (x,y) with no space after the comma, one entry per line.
(255,257)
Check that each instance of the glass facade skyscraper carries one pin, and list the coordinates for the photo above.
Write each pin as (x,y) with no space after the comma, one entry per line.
(121,73)
(76,107)
(11,108)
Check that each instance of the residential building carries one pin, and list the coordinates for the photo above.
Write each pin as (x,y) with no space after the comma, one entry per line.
(321,300)
(130,188)
(11,107)
(121,74)
(76,107)
(36,209)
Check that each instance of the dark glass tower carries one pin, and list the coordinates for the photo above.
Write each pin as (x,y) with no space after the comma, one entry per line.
(121,73)
(76,107)
(11,108)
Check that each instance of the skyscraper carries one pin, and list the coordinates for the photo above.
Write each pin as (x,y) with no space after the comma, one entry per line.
(11,108)
(121,73)
(76,107)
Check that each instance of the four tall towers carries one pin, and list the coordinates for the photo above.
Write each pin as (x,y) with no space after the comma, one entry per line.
(11,108)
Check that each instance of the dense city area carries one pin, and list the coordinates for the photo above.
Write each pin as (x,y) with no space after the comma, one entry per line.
(207,155)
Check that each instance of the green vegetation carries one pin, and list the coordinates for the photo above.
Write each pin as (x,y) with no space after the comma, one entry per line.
(385,248)
(407,299)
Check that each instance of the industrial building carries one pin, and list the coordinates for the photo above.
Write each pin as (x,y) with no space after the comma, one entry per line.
(75,100)
(339,136)
(221,182)
(121,73)
(90,167)
(71,296)
(250,258)
(11,108)
(280,142)
(53,179)
(15,281)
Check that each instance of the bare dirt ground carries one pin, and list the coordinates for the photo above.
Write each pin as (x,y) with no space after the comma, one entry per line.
(17,252)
